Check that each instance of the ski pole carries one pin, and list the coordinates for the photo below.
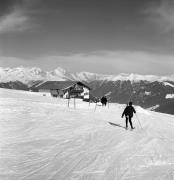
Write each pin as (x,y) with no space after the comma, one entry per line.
(95,107)
(139,121)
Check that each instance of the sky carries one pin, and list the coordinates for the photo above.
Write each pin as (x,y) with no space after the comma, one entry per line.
(102,36)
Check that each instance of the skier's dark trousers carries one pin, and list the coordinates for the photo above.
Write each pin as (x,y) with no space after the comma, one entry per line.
(128,112)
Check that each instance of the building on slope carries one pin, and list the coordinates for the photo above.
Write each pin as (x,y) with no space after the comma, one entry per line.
(65,89)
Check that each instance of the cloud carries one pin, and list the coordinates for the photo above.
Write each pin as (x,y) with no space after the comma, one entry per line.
(162,15)
(14,21)
(112,62)
(105,62)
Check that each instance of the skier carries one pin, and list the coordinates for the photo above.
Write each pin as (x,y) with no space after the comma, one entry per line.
(104,101)
(128,112)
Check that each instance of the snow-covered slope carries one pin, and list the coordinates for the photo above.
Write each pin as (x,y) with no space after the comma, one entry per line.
(25,75)
(168,84)
(41,139)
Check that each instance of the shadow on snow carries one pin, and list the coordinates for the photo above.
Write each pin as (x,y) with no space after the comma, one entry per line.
(118,125)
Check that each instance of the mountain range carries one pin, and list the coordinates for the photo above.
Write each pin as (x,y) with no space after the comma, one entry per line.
(149,91)
(26,75)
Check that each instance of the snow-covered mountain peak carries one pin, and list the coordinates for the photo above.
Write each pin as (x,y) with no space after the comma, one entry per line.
(58,74)
(59,71)
(36,70)
(23,74)
(85,76)
(137,77)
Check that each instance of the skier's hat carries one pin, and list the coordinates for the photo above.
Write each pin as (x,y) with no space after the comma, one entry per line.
(130,103)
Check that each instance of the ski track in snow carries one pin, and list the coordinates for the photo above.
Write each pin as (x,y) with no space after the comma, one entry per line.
(43,139)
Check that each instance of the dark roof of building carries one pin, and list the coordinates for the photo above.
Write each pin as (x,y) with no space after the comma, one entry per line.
(60,84)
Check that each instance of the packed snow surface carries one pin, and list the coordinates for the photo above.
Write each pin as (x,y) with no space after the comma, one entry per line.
(43,139)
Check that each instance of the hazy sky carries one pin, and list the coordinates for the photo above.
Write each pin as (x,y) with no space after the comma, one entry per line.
(103,36)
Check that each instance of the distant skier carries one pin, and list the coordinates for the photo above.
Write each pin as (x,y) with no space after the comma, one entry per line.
(104,101)
(128,112)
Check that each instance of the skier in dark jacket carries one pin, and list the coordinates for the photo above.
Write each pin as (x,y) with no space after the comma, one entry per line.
(104,101)
(128,112)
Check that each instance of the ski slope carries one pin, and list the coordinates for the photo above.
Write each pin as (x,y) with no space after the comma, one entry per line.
(42,139)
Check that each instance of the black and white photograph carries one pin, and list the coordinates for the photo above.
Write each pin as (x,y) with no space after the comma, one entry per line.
(86,89)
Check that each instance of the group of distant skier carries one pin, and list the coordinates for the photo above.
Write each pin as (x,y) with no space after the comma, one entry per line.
(128,111)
